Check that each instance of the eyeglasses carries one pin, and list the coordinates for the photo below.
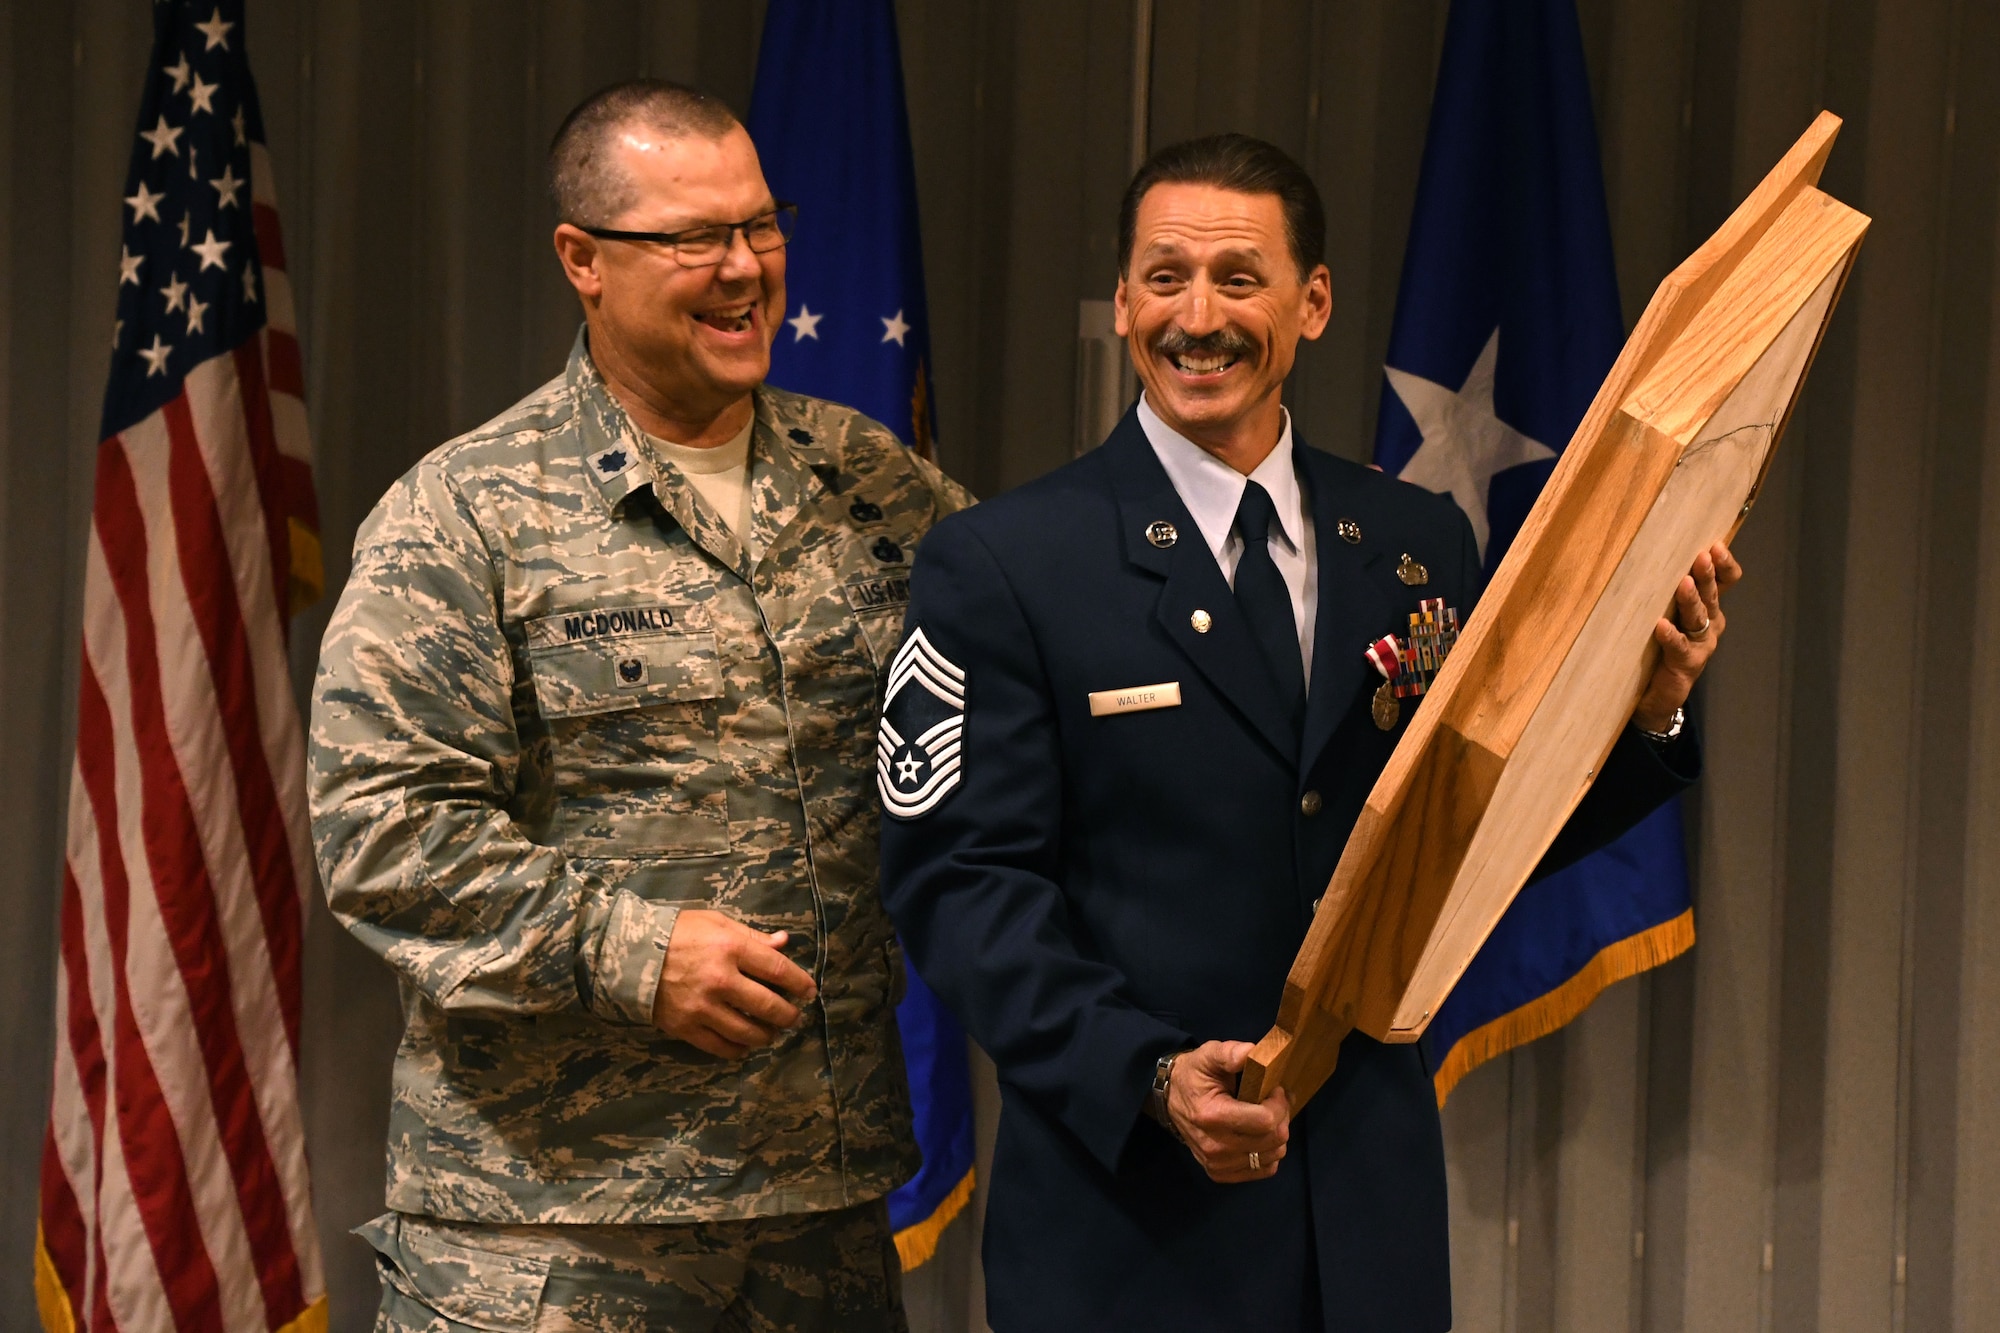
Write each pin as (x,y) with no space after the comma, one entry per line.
(705,247)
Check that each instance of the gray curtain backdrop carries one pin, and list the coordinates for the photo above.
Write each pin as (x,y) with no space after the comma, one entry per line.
(1796,1127)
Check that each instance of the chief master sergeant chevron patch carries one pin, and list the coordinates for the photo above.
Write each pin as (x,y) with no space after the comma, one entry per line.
(926,704)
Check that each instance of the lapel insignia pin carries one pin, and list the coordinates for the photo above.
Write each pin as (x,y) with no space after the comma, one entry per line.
(1412,573)
(1201,620)
(1349,530)
(1162,533)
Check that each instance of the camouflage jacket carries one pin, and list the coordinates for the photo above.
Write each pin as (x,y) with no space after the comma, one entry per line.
(555,705)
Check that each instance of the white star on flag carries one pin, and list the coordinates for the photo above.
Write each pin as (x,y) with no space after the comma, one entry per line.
(227,185)
(128,266)
(178,73)
(896,329)
(165,138)
(176,292)
(1465,443)
(156,357)
(216,30)
(196,310)
(211,251)
(145,204)
(202,94)
(805,324)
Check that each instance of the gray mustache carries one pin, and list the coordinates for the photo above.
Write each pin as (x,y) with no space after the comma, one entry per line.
(1177,341)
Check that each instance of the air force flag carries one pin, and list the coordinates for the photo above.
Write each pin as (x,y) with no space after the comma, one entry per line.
(829,122)
(828,119)
(1506,323)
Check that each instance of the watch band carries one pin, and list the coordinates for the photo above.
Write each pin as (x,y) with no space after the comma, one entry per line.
(1673,728)
(1156,1101)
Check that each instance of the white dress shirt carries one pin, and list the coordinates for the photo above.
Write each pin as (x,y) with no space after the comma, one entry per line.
(1211,490)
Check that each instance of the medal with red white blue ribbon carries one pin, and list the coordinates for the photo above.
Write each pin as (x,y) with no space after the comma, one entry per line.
(1408,666)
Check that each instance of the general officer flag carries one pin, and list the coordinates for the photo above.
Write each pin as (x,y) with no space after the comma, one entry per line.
(1506,322)
(828,118)
(174,1193)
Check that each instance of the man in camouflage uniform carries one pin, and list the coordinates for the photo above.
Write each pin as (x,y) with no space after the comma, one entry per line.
(592,769)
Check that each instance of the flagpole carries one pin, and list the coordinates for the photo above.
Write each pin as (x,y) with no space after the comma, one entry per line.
(1142,81)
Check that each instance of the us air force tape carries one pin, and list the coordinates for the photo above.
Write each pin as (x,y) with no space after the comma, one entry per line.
(923,720)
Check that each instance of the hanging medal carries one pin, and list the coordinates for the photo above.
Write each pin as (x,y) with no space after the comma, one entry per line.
(1385,655)
(1408,666)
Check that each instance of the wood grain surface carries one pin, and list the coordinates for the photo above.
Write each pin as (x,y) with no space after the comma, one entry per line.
(1668,460)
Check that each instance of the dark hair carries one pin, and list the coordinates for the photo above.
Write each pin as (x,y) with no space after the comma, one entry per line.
(1240,163)
(584,186)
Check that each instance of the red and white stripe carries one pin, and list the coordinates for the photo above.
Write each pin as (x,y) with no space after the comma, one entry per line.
(174,1190)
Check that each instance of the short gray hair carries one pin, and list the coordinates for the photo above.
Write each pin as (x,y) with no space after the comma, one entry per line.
(586,188)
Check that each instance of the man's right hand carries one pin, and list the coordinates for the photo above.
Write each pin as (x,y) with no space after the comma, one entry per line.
(1220,1131)
(724,988)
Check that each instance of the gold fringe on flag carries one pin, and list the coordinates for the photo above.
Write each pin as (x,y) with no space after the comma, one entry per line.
(50,1298)
(312,1319)
(53,1302)
(308,569)
(1538,1018)
(916,1245)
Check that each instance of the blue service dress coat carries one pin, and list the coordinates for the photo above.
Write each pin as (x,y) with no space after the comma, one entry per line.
(1089,893)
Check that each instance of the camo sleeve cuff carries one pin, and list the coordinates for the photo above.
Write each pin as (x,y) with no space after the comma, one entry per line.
(629,957)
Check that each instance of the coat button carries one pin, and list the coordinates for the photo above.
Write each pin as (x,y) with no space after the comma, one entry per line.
(1309,804)
(1315,908)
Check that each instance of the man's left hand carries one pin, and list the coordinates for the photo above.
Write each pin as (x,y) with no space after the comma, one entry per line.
(1687,639)
(1234,1141)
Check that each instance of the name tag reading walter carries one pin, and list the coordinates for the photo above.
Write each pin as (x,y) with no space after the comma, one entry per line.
(1103,703)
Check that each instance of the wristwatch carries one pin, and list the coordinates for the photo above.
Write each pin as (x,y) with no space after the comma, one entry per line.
(1673,728)
(1156,1102)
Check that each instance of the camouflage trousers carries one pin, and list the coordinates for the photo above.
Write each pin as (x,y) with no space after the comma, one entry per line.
(832,1272)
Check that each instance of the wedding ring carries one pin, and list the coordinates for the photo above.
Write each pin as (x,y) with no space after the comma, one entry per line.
(1256,1162)
(1700,632)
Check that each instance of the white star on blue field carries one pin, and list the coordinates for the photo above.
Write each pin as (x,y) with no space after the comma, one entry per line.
(806,323)
(1465,441)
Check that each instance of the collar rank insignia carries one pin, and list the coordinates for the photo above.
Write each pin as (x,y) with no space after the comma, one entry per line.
(1409,666)
(615,462)
(923,720)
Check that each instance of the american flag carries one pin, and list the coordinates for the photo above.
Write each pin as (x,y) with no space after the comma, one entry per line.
(174,1192)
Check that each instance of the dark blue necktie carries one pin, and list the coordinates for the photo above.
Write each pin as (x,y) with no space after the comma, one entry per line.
(1267,603)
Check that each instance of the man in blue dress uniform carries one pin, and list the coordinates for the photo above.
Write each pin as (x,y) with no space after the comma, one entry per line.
(1128,732)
